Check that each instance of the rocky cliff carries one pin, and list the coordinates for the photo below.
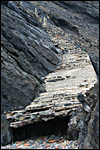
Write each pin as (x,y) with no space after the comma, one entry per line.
(27,55)
(42,37)
(89,132)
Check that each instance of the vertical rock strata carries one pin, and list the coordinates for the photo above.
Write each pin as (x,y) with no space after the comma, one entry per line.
(28,55)
(71,77)
(89,132)
(6,132)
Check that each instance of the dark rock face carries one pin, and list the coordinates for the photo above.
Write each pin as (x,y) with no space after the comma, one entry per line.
(26,56)
(92,138)
(4,3)
(73,129)
(84,122)
(6,132)
(89,131)
(80,19)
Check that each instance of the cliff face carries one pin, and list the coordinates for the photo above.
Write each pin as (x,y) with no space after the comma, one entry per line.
(29,53)
(92,138)
(80,19)
(89,120)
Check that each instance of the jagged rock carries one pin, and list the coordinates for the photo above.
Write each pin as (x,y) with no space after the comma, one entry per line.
(73,129)
(82,100)
(92,138)
(84,124)
(89,131)
(75,18)
(6,132)
(60,97)
(27,54)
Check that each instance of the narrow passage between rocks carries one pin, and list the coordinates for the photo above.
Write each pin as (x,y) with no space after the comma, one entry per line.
(54,105)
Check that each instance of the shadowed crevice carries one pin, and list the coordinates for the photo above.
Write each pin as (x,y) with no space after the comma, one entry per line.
(54,126)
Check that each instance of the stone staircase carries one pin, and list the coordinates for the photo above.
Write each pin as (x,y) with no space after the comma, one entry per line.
(75,74)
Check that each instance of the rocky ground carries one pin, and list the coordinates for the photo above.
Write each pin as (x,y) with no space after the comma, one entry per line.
(44,142)
(52,37)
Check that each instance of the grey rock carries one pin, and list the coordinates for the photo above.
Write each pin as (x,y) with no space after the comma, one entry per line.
(86,107)
(24,58)
(89,131)
(81,97)
(28,55)
(78,23)
(54,96)
(6,132)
